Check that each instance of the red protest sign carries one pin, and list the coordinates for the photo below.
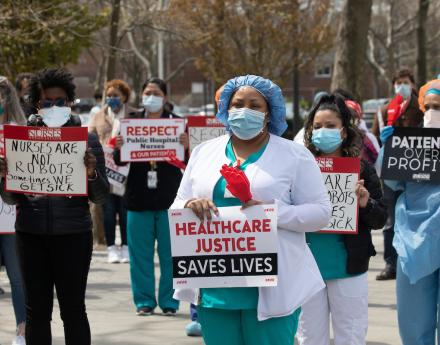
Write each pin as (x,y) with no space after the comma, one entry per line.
(203,128)
(340,176)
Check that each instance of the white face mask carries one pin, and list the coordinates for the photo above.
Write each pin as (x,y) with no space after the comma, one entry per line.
(152,103)
(55,116)
(431,119)
(404,90)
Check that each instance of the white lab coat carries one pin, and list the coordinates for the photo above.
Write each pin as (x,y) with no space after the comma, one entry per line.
(285,174)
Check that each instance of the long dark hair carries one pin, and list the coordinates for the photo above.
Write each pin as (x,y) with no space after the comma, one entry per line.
(352,144)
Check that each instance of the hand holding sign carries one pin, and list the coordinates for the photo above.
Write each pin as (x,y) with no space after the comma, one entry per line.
(119,142)
(184,140)
(202,207)
(90,163)
(3,167)
(362,194)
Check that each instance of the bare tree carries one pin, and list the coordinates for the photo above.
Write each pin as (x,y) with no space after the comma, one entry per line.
(352,46)
(422,17)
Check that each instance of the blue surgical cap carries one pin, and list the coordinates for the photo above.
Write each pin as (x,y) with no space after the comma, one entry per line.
(270,91)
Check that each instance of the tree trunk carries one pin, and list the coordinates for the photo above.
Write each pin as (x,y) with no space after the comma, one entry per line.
(422,17)
(114,25)
(351,47)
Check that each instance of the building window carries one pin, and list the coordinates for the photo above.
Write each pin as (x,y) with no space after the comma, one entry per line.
(323,71)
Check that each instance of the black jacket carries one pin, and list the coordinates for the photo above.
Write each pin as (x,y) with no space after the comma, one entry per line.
(61,215)
(360,247)
(138,197)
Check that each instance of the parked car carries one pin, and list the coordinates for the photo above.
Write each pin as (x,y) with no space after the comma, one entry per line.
(370,108)
(83,105)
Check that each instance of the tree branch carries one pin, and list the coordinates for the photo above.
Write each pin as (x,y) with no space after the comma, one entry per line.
(182,65)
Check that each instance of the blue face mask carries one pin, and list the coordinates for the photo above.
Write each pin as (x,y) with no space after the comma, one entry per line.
(245,123)
(327,140)
(113,102)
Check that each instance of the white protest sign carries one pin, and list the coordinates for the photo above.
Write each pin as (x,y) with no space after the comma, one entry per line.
(117,175)
(151,139)
(236,249)
(48,161)
(203,128)
(340,176)
(7,218)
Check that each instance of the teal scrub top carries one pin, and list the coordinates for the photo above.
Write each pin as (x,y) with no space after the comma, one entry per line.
(230,298)
(330,254)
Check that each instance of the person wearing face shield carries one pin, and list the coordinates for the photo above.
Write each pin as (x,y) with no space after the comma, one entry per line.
(53,233)
(280,171)
(417,241)
(343,260)
(105,124)
(150,190)
(410,116)
(12,113)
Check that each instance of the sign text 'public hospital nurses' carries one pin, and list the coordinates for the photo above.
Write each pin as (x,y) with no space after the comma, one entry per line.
(340,176)
(236,249)
(412,154)
(151,139)
(47,161)
(203,128)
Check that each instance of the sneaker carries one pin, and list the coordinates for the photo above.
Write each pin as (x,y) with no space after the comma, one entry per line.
(193,329)
(144,311)
(387,273)
(169,311)
(19,340)
(113,255)
(125,257)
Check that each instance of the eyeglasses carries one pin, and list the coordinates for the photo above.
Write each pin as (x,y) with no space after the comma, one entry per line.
(47,103)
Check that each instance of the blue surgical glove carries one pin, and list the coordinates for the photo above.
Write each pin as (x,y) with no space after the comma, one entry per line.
(385,133)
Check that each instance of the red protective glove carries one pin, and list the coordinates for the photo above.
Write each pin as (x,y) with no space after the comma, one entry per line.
(237,182)
(112,143)
(395,109)
(173,160)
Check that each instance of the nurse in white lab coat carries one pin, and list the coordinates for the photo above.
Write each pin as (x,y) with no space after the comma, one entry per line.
(279,171)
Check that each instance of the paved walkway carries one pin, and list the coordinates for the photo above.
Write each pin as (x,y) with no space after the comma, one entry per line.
(113,320)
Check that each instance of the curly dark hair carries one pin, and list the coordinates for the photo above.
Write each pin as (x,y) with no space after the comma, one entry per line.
(352,144)
(51,77)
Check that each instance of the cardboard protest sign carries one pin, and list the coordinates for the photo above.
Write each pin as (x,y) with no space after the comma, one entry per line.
(340,176)
(236,249)
(151,139)
(412,154)
(203,128)
(7,218)
(117,175)
(47,161)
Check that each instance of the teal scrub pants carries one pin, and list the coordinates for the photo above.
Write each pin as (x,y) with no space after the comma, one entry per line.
(241,327)
(143,229)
